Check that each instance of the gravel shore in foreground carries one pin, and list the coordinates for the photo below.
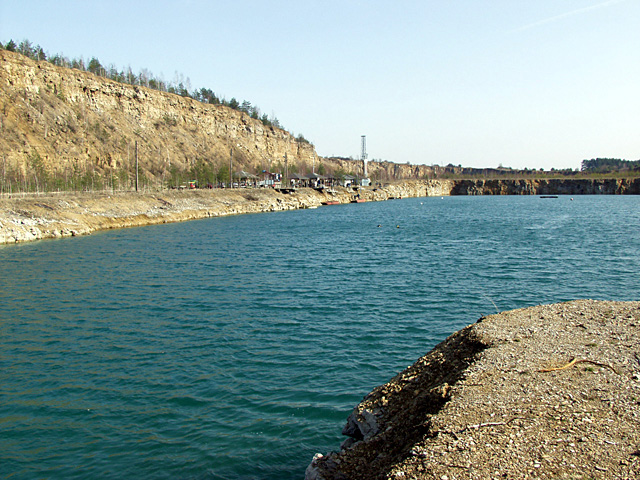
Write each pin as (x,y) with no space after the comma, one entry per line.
(551,391)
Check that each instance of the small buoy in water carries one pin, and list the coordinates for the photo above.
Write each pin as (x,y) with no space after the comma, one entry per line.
(397,226)
(379,226)
(572,199)
(421,203)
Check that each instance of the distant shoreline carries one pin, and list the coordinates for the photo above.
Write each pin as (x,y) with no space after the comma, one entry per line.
(28,218)
(55,215)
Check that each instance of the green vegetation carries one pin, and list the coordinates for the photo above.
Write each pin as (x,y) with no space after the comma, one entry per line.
(458,173)
(608,165)
(300,139)
(75,177)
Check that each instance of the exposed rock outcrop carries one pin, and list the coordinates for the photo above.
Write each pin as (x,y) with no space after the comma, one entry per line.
(33,217)
(573,186)
(59,124)
(80,123)
(66,122)
(543,392)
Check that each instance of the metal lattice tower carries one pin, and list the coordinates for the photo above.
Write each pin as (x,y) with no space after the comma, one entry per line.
(364,155)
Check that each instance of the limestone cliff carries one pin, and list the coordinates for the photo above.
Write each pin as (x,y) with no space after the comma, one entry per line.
(71,122)
(573,186)
(384,171)
(59,125)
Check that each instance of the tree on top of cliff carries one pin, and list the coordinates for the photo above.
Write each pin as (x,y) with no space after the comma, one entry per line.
(206,95)
(609,165)
(179,86)
(95,66)
(300,139)
(26,48)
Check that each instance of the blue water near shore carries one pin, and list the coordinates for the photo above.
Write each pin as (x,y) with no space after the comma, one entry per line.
(235,348)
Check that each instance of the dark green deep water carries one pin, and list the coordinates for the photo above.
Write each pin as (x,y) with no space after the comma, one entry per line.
(235,348)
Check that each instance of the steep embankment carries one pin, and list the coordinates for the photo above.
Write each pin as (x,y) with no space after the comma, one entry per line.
(60,215)
(555,186)
(544,392)
(64,122)
(67,128)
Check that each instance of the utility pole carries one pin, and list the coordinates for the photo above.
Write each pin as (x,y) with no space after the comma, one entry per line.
(136,165)
(286,170)
(364,156)
(231,169)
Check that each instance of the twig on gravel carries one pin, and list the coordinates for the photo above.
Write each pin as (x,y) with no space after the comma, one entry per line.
(575,361)
(489,424)
(479,425)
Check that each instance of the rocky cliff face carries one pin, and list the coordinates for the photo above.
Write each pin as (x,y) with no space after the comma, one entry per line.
(609,186)
(64,120)
(384,171)
(67,124)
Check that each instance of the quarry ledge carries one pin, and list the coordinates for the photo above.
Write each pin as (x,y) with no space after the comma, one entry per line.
(551,391)
(35,217)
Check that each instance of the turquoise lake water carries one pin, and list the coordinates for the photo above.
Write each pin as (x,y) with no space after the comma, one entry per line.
(235,348)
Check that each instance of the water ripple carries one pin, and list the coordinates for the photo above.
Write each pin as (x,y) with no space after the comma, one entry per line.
(234,348)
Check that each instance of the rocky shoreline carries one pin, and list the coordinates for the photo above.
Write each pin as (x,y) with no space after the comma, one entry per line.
(544,392)
(551,391)
(551,186)
(34,217)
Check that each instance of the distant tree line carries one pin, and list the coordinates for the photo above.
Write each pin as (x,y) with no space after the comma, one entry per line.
(178,86)
(604,165)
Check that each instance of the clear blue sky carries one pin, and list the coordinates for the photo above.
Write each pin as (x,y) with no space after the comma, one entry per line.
(544,83)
